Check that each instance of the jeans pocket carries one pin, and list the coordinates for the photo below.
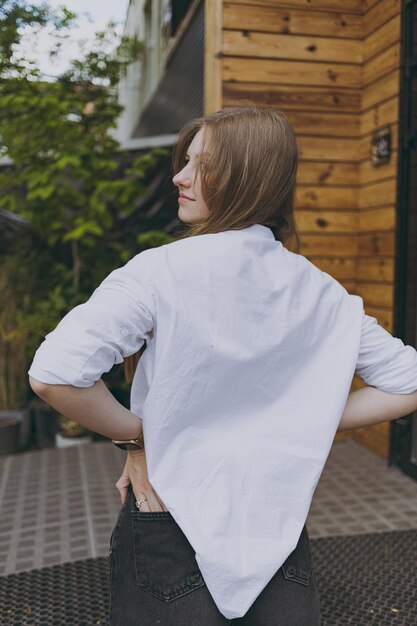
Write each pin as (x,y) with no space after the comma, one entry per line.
(298,566)
(164,559)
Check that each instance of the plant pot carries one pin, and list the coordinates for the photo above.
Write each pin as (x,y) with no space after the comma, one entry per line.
(66,442)
(45,421)
(25,431)
(9,434)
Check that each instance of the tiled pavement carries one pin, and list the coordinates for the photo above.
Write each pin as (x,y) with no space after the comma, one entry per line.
(358,493)
(57,505)
(60,505)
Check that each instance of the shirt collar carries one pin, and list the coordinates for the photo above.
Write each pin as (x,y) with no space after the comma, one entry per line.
(261,230)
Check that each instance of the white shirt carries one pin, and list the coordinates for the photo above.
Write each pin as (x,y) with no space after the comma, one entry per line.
(250,355)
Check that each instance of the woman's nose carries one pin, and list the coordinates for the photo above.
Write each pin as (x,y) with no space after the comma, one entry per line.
(181,178)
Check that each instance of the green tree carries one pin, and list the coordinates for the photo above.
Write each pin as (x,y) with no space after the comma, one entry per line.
(68,178)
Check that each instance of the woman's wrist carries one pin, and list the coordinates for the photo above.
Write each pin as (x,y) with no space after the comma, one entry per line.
(136,452)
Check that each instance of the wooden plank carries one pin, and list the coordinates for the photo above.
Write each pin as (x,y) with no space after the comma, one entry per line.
(377,244)
(329,245)
(291,21)
(327,148)
(379,14)
(376,294)
(380,115)
(382,427)
(292,72)
(378,194)
(382,38)
(343,436)
(377,220)
(329,222)
(289,97)
(348,6)
(349,285)
(327,173)
(212,63)
(340,268)
(375,269)
(328,124)
(382,89)
(370,173)
(312,197)
(386,61)
(368,4)
(307,48)
(372,440)
(385,317)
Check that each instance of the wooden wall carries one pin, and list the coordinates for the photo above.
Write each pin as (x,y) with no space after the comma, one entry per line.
(305,59)
(332,66)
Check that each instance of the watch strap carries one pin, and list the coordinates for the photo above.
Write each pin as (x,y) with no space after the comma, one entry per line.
(126,444)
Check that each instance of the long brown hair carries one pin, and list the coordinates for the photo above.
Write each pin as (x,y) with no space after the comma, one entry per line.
(249,177)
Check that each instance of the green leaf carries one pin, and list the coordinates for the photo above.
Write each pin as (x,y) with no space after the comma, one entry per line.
(86,228)
(41,193)
(66,160)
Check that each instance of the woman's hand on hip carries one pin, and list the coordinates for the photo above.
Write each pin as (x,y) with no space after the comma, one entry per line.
(135,472)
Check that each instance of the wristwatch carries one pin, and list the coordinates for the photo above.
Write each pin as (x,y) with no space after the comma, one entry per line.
(130,444)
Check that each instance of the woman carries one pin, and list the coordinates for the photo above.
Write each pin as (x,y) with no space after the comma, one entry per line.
(250,354)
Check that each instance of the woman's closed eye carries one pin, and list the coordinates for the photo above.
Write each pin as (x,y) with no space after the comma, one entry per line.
(185,161)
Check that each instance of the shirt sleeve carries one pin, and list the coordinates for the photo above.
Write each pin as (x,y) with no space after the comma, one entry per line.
(385,361)
(113,324)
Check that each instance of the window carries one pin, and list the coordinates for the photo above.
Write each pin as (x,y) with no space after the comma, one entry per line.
(179,9)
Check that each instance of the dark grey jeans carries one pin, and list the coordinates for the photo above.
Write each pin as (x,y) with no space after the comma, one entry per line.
(155,579)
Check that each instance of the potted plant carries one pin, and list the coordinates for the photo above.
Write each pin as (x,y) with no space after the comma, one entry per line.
(71,433)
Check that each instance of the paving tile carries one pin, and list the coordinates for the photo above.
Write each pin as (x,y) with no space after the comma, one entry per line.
(51,547)
(59,516)
(376,496)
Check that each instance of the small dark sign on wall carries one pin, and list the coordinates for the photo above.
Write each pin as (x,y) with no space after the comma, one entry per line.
(381,146)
